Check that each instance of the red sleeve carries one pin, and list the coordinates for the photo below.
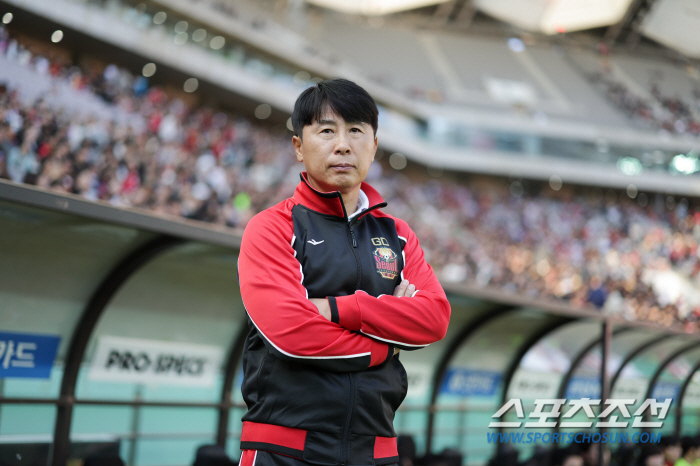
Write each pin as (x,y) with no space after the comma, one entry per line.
(276,301)
(407,322)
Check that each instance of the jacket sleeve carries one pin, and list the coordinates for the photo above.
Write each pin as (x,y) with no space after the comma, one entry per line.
(407,322)
(276,301)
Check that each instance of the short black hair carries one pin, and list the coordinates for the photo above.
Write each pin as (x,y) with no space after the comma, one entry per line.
(670,440)
(560,455)
(647,451)
(689,442)
(341,96)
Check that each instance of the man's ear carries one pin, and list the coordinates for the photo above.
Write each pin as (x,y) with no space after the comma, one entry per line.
(375,148)
(296,141)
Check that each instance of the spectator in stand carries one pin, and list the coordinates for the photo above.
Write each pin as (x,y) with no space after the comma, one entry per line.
(590,453)
(670,114)
(569,456)
(651,455)
(690,451)
(672,449)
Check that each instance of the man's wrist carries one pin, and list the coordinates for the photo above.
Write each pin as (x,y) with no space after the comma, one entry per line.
(324,309)
(349,311)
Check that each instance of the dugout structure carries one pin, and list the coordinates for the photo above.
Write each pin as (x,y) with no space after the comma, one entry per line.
(90,274)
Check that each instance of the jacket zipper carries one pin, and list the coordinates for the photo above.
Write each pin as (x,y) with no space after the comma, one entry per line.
(358,270)
(346,428)
(352,234)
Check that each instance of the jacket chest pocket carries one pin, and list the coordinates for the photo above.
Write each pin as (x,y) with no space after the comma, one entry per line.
(329,269)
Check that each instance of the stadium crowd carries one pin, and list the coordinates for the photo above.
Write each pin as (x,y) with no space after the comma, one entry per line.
(153,151)
(650,107)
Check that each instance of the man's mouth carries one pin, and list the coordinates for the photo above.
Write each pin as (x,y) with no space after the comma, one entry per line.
(342,167)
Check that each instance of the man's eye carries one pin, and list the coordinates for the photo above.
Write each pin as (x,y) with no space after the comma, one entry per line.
(326,130)
(356,130)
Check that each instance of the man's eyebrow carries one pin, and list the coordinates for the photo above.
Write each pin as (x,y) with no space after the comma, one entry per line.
(326,121)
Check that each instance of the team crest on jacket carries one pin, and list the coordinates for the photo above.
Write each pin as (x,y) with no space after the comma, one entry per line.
(385,261)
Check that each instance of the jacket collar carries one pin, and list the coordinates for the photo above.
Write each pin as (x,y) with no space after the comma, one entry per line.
(332,203)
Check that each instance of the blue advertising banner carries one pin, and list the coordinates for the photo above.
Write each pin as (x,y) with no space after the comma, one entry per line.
(465,382)
(27,355)
(664,390)
(583,387)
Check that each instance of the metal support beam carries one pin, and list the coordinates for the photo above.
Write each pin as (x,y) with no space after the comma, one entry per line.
(636,27)
(465,16)
(605,340)
(523,350)
(607,345)
(606,328)
(443,12)
(535,338)
(469,329)
(681,395)
(613,31)
(604,387)
(90,316)
(662,366)
(234,358)
(635,352)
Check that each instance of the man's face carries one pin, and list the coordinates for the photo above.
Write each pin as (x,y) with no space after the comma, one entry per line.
(573,460)
(655,460)
(693,454)
(673,452)
(336,153)
(591,456)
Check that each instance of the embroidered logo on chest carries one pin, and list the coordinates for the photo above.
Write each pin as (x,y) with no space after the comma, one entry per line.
(385,259)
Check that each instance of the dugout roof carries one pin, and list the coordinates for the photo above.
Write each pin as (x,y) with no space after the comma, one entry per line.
(82,270)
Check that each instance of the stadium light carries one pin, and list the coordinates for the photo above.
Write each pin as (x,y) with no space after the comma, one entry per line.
(373,7)
(686,164)
(57,36)
(199,35)
(180,38)
(398,161)
(630,166)
(555,182)
(149,69)
(217,42)
(7,18)
(516,45)
(191,85)
(302,77)
(263,111)
(552,17)
(160,17)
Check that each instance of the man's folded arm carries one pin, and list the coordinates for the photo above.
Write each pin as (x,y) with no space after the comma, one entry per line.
(276,301)
(407,322)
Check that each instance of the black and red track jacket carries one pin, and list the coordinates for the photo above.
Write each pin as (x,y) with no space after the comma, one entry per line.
(326,391)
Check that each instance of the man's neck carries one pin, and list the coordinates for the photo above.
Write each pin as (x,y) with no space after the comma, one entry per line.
(350,197)
(350,201)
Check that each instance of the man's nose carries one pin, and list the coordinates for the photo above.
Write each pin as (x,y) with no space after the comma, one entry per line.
(342,145)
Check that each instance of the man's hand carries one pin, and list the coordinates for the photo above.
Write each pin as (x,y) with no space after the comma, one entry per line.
(323,307)
(404,289)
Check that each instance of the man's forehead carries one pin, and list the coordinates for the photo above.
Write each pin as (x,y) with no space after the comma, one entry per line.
(330,117)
